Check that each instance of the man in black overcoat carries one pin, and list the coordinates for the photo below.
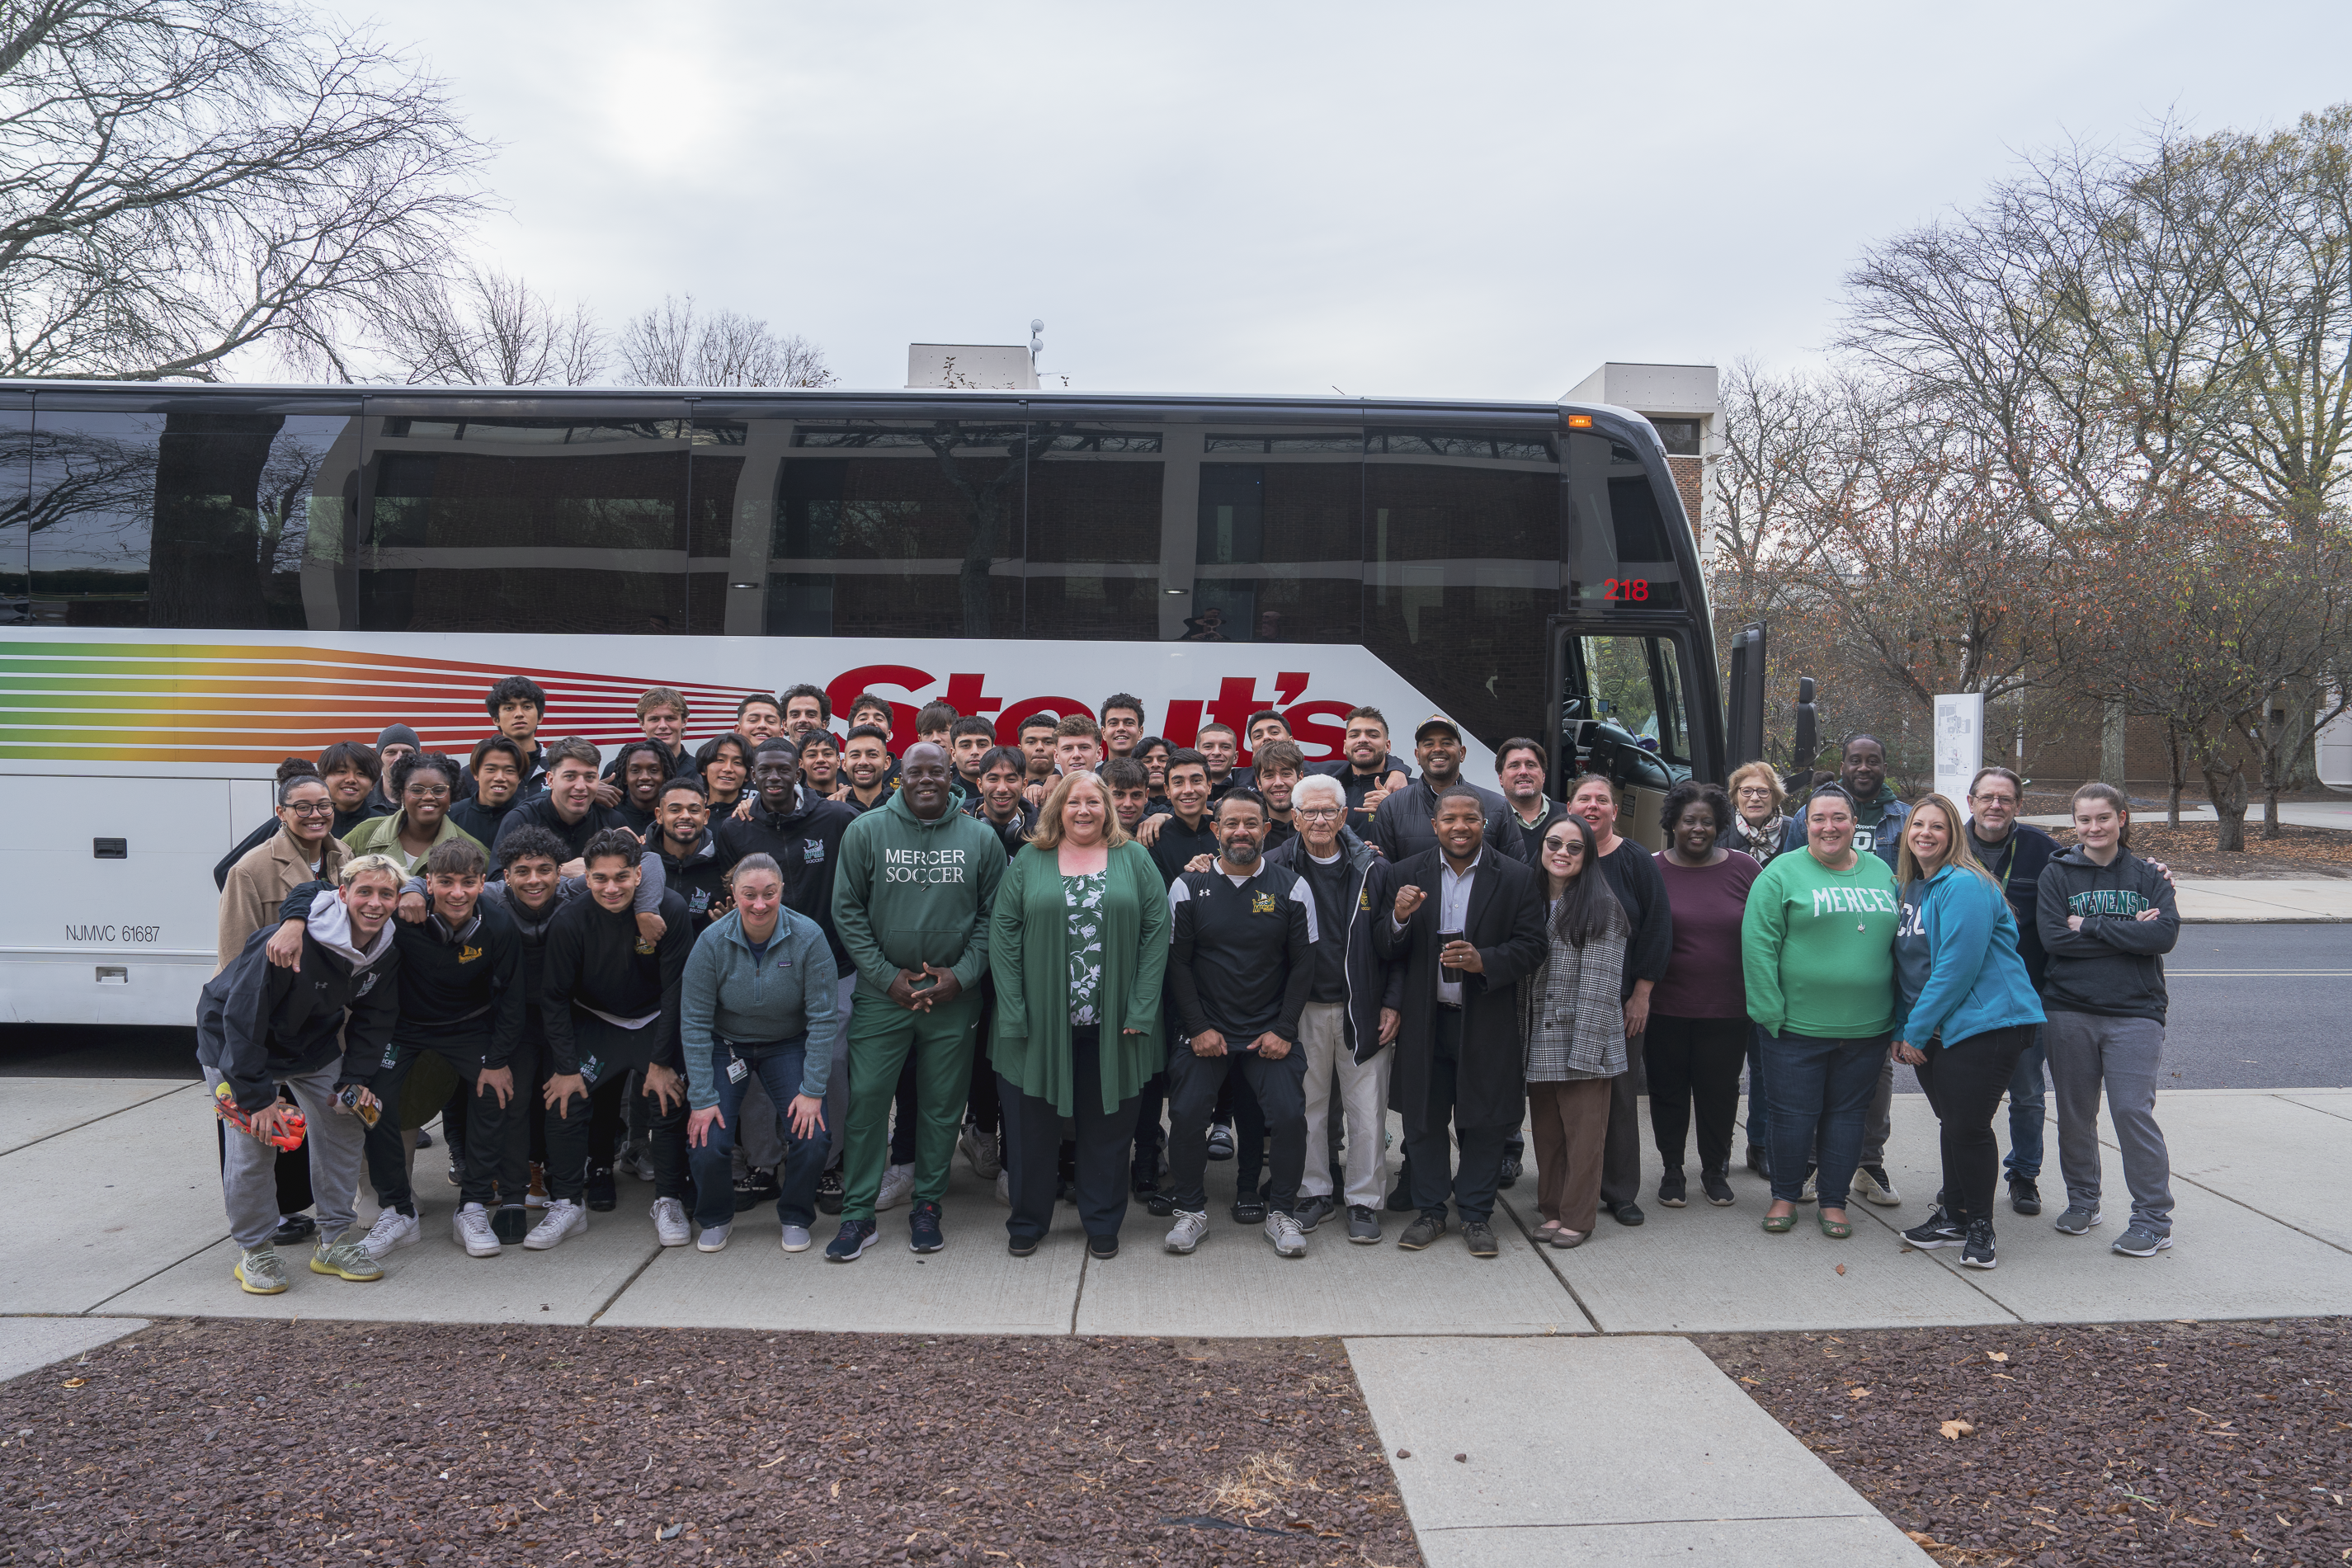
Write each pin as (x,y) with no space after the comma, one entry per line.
(1460,1060)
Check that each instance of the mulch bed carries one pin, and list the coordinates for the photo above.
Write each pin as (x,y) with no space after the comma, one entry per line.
(245,1442)
(2128,1443)
(2297,854)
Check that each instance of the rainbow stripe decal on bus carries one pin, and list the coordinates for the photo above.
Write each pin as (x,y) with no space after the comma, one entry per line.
(225,703)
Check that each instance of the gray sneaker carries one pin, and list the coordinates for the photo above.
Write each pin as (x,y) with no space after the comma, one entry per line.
(713,1237)
(2139,1241)
(1283,1231)
(1312,1211)
(1364,1226)
(795,1238)
(1184,1236)
(345,1260)
(260,1273)
(2076,1221)
(1876,1187)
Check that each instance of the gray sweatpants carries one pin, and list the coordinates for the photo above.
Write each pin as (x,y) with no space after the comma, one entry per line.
(2087,1052)
(337,1141)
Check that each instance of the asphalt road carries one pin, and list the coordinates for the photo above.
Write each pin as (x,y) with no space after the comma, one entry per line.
(2254,1007)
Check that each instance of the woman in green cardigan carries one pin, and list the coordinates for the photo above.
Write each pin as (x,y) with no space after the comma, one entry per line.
(1077,943)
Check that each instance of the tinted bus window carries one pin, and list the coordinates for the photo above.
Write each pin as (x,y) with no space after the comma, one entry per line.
(1620,551)
(715,488)
(526,525)
(186,517)
(905,530)
(1278,538)
(1093,535)
(1463,569)
(15,515)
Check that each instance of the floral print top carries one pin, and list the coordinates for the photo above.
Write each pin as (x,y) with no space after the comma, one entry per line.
(1082,900)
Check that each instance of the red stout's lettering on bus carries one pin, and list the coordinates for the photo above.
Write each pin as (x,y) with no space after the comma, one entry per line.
(847,686)
(965,695)
(1319,724)
(1184,726)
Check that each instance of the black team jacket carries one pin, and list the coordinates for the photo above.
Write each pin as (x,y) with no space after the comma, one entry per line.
(460,991)
(256,1023)
(1255,939)
(594,960)
(806,843)
(697,876)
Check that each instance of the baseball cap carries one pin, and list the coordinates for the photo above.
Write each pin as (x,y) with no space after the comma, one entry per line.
(1437,721)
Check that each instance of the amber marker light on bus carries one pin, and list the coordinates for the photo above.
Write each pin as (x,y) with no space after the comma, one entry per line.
(1580,422)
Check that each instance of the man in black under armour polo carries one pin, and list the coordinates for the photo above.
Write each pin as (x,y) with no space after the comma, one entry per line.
(1240,966)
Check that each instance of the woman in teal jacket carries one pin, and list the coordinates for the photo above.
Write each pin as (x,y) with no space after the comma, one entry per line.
(1077,943)
(1965,1009)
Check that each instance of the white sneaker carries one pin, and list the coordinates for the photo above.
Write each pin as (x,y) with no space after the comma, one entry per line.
(713,1239)
(1192,1224)
(796,1238)
(1810,1194)
(471,1226)
(1283,1231)
(1004,1188)
(391,1231)
(980,1148)
(639,1163)
(898,1187)
(669,1222)
(565,1218)
(1874,1190)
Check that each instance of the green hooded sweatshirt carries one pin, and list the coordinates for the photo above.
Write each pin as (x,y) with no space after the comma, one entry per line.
(910,892)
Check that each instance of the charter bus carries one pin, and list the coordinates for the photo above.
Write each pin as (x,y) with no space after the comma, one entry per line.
(199,581)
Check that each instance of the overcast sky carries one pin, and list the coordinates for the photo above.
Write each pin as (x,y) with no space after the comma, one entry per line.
(1438,200)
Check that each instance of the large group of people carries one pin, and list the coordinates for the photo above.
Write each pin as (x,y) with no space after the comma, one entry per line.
(809,966)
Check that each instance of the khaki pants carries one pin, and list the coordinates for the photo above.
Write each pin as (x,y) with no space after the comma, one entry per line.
(1570,1125)
(1362,1090)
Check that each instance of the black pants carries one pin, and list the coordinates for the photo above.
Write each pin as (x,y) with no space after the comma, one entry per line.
(984,1102)
(569,1126)
(1032,1148)
(1280,1088)
(1694,1066)
(1965,1082)
(1620,1151)
(1150,1140)
(495,1148)
(1434,1178)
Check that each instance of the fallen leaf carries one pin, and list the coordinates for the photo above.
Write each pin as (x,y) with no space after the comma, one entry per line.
(76,1382)
(1956,1430)
(1751,1380)
(1996,1355)
(1857,1392)
(1840,1268)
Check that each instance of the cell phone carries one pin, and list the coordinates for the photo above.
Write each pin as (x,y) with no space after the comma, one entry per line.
(1448,971)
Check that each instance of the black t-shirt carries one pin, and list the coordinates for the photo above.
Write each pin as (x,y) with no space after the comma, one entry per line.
(1328,883)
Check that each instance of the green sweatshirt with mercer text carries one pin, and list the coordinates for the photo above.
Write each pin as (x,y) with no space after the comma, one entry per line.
(1817,947)
(909,893)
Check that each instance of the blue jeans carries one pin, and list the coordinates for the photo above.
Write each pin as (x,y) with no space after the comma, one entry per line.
(779,1071)
(2027,1095)
(1822,1089)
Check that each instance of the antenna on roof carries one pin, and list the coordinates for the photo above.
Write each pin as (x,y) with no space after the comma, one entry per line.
(1036,341)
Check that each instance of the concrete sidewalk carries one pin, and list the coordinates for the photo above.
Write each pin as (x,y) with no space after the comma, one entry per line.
(1639,1450)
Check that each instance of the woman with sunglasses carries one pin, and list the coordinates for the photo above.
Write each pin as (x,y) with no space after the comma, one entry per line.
(1571,1016)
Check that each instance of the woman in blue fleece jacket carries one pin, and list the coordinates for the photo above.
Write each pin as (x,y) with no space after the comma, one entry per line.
(1965,1008)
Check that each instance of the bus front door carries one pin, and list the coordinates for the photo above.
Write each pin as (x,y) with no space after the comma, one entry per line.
(1621,708)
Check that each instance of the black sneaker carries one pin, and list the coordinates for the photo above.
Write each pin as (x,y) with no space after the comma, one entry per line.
(1511,1171)
(1249,1210)
(757,1187)
(1977,1254)
(2023,1196)
(1718,1188)
(1220,1142)
(1142,1183)
(923,1227)
(603,1195)
(1022,1246)
(1627,1214)
(457,1165)
(828,1193)
(1673,1191)
(1939,1231)
(1102,1249)
(857,1236)
(1311,1212)
(1422,1232)
(510,1222)
(292,1228)
(1481,1237)
(1364,1226)
(1159,1204)
(424,1139)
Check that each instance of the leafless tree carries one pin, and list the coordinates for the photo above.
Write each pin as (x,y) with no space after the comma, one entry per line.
(673,345)
(486,328)
(182,179)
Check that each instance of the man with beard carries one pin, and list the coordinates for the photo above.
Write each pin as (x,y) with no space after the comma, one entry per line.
(1365,769)
(866,768)
(1520,766)
(1239,968)
(1467,926)
(1402,826)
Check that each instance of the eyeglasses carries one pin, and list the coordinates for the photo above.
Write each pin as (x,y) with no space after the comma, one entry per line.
(1992,799)
(311,808)
(1316,814)
(427,791)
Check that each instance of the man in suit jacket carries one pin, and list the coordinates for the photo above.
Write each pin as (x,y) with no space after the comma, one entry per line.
(1459,1057)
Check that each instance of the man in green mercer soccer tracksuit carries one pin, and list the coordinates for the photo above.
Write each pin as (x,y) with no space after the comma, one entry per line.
(910,902)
